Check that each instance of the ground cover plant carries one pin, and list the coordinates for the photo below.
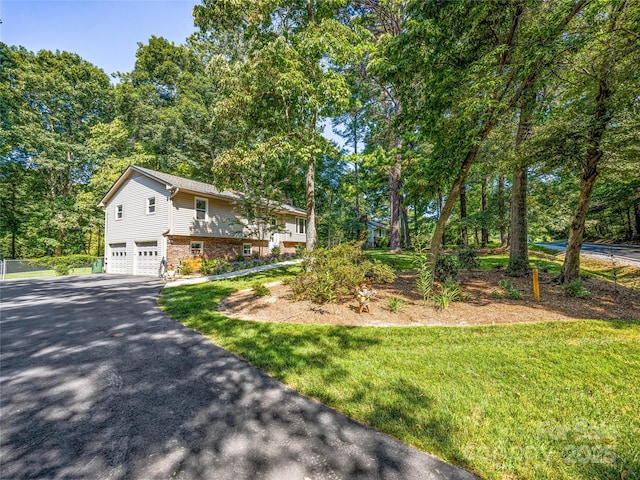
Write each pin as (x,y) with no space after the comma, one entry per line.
(551,400)
(333,274)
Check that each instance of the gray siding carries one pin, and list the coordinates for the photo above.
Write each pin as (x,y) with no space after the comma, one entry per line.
(293,236)
(136,225)
(216,225)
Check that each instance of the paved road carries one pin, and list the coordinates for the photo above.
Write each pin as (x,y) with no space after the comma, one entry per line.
(96,382)
(628,254)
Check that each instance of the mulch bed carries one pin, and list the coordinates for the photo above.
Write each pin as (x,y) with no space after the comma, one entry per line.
(608,302)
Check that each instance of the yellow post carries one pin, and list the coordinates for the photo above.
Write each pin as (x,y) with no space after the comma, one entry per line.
(536,285)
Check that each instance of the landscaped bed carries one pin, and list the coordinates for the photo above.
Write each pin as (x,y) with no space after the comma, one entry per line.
(487,304)
(550,400)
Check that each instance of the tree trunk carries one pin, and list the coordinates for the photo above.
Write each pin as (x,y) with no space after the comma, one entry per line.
(311,204)
(518,233)
(464,238)
(504,237)
(483,217)
(629,227)
(438,234)
(636,213)
(601,117)
(406,235)
(394,198)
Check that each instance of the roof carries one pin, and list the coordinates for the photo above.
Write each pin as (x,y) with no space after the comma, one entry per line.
(376,224)
(173,182)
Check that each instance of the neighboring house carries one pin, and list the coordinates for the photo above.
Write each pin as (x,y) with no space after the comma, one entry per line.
(377,230)
(154,218)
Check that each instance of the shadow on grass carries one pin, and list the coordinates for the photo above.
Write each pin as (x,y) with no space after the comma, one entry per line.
(288,352)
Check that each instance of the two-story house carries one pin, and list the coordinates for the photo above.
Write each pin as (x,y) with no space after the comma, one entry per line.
(153,218)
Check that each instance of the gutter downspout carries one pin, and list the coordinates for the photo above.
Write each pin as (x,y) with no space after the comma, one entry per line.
(174,192)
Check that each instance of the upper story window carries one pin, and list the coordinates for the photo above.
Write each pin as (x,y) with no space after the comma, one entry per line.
(151,205)
(119,212)
(301,225)
(200,207)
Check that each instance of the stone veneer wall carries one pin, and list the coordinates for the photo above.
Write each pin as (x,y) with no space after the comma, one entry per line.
(178,247)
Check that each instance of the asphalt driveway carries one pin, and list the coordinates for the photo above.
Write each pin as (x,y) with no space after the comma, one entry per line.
(96,382)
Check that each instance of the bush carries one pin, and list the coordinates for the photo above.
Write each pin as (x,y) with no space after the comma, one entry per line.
(576,289)
(468,259)
(259,290)
(509,290)
(396,304)
(446,267)
(383,242)
(449,292)
(275,251)
(424,280)
(64,264)
(331,274)
(209,267)
(300,249)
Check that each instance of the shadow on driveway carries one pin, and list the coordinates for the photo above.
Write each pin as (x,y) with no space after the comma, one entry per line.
(96,382)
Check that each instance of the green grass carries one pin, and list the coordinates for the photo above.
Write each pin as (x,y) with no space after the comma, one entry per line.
(45,273)
(398,261)
(556,400)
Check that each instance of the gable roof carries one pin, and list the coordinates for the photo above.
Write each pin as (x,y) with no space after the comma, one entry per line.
(174,182)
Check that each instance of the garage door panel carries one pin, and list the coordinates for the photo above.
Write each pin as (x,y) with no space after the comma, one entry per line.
(117,260)
(148,259)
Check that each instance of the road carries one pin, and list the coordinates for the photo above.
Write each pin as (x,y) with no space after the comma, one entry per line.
(623,254)
(96,382)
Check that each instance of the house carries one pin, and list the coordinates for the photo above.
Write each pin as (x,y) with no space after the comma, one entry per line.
(154,218)
(376,231)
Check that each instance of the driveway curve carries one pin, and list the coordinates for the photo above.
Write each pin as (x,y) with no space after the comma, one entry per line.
(96,382)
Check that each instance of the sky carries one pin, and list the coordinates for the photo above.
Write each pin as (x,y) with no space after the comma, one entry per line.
(104,32)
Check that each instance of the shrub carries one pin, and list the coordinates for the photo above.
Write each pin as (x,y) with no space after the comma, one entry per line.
(576,289)
(330,274)
(396,304)
(209,267)
(300,249)
(383,242)
(468,259)
(275,251)
(64,264)
(424,280)
(509,290)
(449,292)
(259,290)
(446,266)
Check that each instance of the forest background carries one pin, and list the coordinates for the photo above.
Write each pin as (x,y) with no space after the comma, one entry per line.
(466,121)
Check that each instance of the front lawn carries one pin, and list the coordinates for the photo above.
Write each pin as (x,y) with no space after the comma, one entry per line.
(551,400)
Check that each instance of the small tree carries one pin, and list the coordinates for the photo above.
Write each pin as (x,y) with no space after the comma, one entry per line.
(258,208)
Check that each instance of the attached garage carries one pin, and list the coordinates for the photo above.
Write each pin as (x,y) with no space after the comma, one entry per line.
(117,259)
(148,260)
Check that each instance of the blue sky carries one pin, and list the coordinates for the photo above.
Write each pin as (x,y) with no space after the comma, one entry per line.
(103,32)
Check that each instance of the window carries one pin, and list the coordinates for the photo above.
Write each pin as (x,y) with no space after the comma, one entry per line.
(246,249)
(119,212)
(196,249)
(301,225)
(151,205)
(201,208)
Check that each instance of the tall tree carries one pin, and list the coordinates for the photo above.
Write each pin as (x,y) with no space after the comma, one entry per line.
(60,97)
(606,69)
(288,80)
(473,83)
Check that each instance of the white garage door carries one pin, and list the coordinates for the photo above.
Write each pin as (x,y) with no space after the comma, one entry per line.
(147,259)
(117,261)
